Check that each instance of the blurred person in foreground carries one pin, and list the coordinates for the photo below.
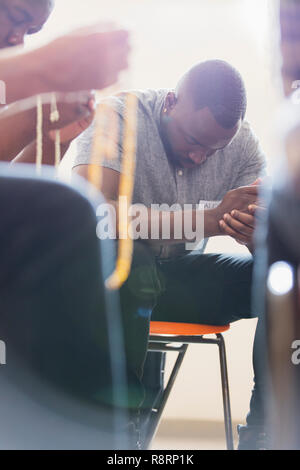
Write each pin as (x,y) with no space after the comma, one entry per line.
(277,270)
(277,240)
(53,305)
(21,18)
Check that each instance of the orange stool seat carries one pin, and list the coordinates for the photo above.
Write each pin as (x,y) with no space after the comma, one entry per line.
(184,329)
(174,336)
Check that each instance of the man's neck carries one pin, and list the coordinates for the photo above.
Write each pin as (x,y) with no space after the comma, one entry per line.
(165,140)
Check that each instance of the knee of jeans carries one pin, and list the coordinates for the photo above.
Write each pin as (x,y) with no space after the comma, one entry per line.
(143,282)
(142,255)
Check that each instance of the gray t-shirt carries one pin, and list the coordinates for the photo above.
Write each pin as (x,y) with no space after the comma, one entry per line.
(159,181)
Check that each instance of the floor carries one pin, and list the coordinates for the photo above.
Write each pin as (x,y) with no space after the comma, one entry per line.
(186,435)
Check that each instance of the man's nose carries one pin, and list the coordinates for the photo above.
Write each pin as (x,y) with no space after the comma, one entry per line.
(16,38)
(198,157)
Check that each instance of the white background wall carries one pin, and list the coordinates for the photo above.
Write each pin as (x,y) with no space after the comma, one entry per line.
(169,36)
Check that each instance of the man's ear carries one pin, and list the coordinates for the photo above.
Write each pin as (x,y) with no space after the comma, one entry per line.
(170,102)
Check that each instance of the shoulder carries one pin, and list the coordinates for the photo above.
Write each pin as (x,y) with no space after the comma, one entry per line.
(149,100)
(244,135)
(246,144)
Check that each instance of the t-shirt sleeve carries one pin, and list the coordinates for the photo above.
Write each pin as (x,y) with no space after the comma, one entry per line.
(254,161)
(111,135)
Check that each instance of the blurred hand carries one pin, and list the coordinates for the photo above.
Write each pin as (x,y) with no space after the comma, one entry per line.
(71,107)
(86,59)
(73,130)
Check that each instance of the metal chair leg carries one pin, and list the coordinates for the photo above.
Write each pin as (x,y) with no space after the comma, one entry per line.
(225,392)
(161,402)
(159,406)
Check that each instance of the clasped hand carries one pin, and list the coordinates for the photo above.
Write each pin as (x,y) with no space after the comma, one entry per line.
(240,223)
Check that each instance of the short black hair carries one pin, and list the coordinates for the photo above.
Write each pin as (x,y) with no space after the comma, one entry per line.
(219,86)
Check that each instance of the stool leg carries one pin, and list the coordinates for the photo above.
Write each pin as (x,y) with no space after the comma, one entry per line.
(225,392)
(159,407)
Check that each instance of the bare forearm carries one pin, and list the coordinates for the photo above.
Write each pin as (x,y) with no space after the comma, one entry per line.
(18,135)
(173,227)
(28,155)
(194,225)
(85,59)
(17,131)
(21,74)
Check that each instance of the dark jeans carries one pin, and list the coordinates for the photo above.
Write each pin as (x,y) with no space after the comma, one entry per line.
(197,288)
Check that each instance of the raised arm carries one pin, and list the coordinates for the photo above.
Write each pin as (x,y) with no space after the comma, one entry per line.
(18,129)
(86,59)
(71,124)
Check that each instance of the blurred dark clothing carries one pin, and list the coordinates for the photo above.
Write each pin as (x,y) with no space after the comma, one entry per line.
(56,319)
(278,240)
